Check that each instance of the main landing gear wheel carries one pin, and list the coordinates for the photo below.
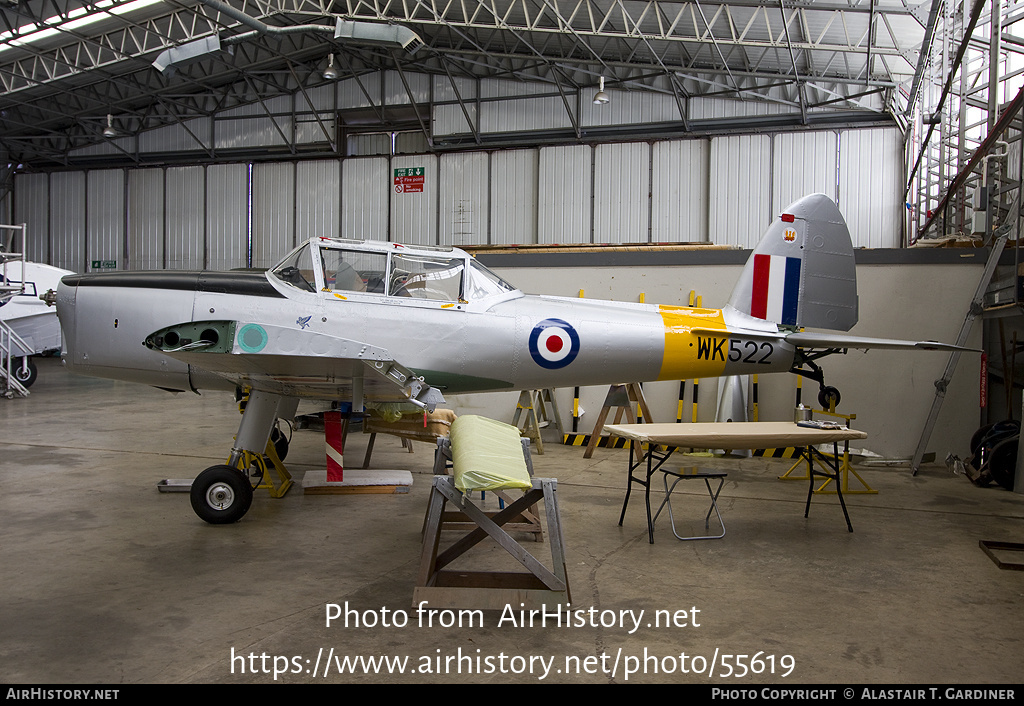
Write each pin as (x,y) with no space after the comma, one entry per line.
(25,377)
(827,396)
(221,495)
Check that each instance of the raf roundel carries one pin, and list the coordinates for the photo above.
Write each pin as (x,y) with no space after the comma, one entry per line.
(554,344)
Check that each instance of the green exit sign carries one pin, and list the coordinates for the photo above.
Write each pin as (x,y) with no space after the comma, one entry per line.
(104,264)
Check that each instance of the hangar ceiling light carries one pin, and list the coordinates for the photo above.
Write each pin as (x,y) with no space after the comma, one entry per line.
(110,131)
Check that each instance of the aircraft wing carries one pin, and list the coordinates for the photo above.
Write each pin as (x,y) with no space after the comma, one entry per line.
(292,361)
(805,339)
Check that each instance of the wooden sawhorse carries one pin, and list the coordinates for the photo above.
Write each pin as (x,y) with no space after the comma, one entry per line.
(490,590)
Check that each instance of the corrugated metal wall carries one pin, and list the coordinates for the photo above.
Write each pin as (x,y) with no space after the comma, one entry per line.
(145,219)
(105,218)
(870,186)
(564,191)
(414,214)
(317,199)
(622,185)
(67,221)
(803,163)
(366,191)
(227,220)
(32,207)
(464,198)
(723,189)
(679,191)
(185,218)
(273,212)
(514,196)
(739,190)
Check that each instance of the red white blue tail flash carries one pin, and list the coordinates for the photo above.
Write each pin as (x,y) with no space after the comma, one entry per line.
(776,288)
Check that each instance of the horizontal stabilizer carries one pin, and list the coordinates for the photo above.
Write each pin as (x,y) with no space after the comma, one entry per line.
(829,340)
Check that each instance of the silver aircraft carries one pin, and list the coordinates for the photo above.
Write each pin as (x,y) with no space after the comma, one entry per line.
(366,322)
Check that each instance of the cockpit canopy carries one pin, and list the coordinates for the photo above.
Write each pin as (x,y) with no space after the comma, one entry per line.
(389,269)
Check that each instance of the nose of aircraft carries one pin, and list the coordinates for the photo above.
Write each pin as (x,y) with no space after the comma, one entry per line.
(105,319)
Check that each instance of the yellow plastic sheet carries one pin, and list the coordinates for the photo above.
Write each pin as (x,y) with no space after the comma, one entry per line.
(487,455)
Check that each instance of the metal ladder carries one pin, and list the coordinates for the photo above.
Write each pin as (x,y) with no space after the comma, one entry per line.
(975,310)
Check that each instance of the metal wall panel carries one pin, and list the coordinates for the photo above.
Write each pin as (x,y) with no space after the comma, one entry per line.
(365,189)
(145,219)
(871,186)
(628,108)
(451,119)
(464,88)
(464,198)
(185,232)
(622,187)
(719,108)
(309,130)
(514,177)
(273,212)
(524,115)
(679,191)
(105,216)
(739,189)
(395,92)
(189,135)
(32,207)
(413,142)
(277,104)
(803,163)
(253,132)
(361,92)
(414,214)
(67,221)
(317,199)
(564,191)
(319,98)
(372,144)
(227,217)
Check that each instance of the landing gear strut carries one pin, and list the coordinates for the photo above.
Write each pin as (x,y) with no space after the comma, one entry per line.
(223,493)
(828,396)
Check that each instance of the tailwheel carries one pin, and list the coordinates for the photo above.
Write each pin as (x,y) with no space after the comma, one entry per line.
(828,398)
(221,495)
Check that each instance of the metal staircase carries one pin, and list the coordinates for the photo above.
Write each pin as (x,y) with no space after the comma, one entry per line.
(12,346)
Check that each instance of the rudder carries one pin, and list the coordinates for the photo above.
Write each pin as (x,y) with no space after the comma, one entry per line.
(802,272)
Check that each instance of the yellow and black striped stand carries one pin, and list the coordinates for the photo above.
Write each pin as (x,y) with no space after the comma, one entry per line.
(611,442)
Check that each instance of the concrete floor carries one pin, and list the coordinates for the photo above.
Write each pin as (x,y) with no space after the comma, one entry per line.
(106,580)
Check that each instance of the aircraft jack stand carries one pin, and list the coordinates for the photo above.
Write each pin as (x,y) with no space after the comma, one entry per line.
(284,478)
(621,397)
(246,460)
(534,404)
(845,469)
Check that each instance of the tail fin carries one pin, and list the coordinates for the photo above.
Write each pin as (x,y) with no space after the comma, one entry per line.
(802,272)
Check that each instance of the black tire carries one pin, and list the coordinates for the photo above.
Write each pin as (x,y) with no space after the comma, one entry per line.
(280,442)
(221,495)
(979,436)
(1003,462)
(21,376)
(826,395)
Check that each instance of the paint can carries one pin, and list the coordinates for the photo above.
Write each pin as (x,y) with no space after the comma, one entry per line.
(802,413)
